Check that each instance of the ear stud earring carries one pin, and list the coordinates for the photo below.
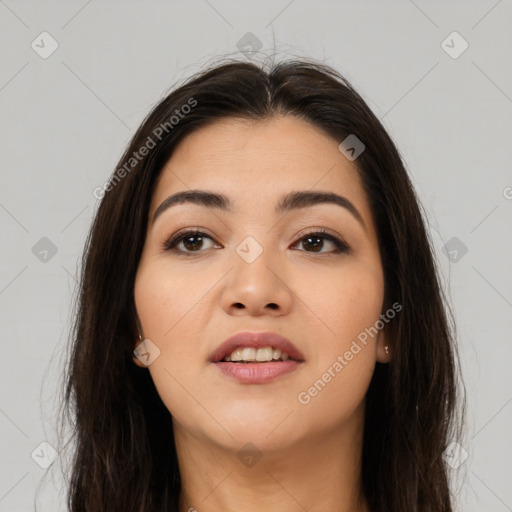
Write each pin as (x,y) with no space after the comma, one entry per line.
(386,349)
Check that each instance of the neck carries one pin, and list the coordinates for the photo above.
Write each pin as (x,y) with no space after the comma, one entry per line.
(321,473)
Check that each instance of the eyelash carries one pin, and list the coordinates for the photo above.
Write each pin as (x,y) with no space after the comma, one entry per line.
(169,245)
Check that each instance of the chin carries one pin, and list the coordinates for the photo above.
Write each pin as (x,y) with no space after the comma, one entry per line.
(262,438)
(262,423)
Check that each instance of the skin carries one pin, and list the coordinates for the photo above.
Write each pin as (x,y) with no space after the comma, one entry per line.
(187,306)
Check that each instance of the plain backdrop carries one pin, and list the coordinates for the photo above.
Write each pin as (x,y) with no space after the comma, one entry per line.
(78,78)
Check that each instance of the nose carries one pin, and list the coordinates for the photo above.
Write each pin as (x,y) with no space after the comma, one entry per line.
(258,287)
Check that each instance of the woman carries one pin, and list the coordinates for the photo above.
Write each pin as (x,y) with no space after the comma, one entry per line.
(261,325)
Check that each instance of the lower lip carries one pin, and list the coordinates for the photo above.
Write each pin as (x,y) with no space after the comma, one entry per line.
(257,373)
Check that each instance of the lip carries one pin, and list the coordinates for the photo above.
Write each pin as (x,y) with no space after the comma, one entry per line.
(256,373)
(256,340)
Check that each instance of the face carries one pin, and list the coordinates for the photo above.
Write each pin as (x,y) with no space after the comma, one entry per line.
(311,273)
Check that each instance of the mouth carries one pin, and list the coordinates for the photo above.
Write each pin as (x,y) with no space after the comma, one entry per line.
(259,347)
(256,358)
(245,355)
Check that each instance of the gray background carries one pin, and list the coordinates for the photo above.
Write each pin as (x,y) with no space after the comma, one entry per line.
(68,117)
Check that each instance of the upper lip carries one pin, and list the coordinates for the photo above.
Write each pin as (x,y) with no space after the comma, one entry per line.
(256,340)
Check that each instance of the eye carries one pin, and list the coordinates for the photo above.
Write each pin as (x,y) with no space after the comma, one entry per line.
(316,242)
(192,241)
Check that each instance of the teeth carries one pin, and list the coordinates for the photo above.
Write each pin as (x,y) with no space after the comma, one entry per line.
(249,354)
(264,354)
(236,355)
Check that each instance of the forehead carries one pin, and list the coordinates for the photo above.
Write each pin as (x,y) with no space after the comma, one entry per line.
(260,159)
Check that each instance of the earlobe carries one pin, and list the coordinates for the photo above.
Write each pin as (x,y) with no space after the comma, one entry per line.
(138,362)
(383,351)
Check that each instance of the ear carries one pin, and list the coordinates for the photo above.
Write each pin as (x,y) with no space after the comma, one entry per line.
(136,360)
(383,348)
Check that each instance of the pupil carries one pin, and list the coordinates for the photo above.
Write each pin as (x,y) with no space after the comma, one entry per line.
(316,246)
(194,246)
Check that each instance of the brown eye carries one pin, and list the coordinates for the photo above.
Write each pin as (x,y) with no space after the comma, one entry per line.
(191,241)
(316,242)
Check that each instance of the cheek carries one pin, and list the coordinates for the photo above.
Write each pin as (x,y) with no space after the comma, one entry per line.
(165,297)
(172,304)
(345,303)
(348,305)
(334,395)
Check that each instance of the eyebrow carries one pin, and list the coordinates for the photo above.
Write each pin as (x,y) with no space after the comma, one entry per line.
(289,202)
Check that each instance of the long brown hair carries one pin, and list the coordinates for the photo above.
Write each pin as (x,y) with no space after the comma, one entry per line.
(124,456)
